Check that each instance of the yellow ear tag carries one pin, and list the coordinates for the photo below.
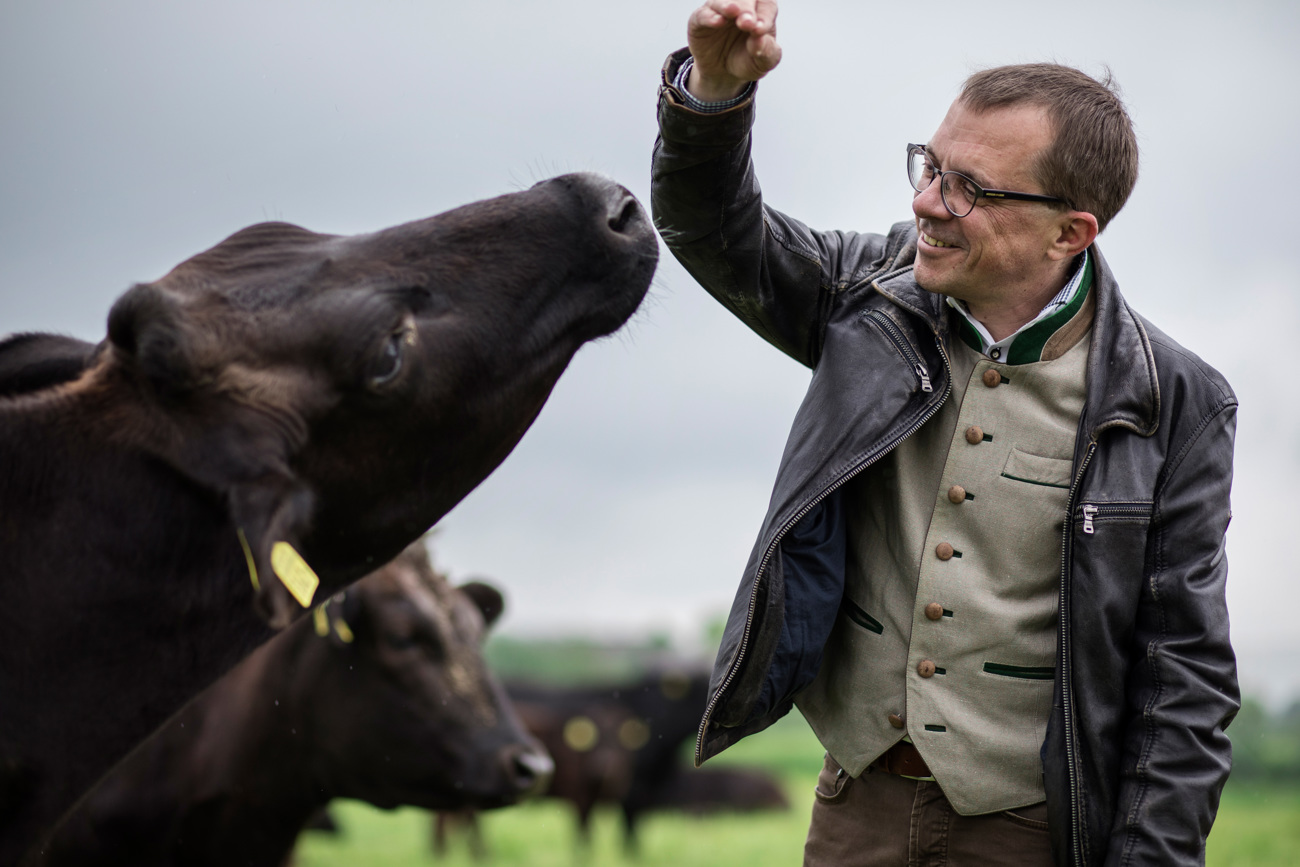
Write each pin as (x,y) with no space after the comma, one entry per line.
(294,572)
(321,620)
(344,633)
(248,558)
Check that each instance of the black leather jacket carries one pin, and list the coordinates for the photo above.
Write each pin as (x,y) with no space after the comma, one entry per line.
(1135,755)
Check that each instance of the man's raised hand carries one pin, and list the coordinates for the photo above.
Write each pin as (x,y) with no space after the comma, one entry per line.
(733,43)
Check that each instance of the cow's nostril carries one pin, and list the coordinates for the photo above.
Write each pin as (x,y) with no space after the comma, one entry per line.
(531,770)
(623,212)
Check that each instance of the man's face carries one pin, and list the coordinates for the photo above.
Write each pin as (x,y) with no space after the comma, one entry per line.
(998,253)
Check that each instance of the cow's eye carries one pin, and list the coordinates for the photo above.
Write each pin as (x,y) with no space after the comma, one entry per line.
(389,363)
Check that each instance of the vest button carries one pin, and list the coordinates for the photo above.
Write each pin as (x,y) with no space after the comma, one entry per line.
(943,551)
(974,434)
(925,668)
(992,378)
(896,720)
(934,611)
(956,494)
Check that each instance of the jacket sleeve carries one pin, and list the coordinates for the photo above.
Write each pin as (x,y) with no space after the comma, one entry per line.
(1183,686)
(774,273)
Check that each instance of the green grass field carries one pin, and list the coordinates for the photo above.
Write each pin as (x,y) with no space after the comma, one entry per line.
(1258,826)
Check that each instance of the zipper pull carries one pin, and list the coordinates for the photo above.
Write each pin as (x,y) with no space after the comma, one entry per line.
(1089,512)
(925,376)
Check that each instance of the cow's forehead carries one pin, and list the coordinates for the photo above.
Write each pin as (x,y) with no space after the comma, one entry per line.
(432,596)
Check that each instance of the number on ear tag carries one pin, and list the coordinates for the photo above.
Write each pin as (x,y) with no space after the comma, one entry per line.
(294,572)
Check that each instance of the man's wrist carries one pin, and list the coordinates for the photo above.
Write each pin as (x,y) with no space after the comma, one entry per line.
(707,106)
(712,88)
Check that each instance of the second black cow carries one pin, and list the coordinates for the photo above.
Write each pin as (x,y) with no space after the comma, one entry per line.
(381,696)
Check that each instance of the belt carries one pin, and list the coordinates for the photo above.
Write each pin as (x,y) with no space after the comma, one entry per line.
(904,760)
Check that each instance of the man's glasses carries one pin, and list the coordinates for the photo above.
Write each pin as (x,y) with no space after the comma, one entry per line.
(959,193)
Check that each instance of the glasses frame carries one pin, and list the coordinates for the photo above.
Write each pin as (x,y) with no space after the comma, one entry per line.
(980,192)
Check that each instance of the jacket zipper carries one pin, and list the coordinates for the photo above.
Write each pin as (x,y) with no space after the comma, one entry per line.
(905,348)
(1091,511)
(900,343)
(1067,682)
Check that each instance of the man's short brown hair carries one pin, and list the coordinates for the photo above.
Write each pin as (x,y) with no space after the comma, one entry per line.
(1093,161)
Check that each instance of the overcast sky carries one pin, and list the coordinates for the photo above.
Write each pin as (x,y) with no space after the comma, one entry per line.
(135,134)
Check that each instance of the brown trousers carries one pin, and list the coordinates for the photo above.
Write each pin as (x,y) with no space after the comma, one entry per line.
(879,819)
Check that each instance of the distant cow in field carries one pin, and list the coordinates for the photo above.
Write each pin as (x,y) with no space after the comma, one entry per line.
(593,743)
(648,725)
(660,713)
(382,696)
(668,703)
(284,402)
(671,701)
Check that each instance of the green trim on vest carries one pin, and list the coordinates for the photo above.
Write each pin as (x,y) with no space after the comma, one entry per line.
(1022,671)
(1034,482)
(862,618)
(1028,346)
(969,335)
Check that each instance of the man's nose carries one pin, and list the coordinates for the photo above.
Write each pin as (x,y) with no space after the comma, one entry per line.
(928,203)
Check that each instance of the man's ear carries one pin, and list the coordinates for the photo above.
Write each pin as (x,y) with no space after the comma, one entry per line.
(1077,231)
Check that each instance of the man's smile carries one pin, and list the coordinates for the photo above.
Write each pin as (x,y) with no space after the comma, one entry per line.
(935,242)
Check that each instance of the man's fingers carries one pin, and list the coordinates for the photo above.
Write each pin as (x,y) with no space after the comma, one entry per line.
(730,41)
(743,13)
(765,11)
(706,18)
(765,52)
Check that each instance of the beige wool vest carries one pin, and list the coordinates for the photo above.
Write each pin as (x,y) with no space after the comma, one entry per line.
(947,633)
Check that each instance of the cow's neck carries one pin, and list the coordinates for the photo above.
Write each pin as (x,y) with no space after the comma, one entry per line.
(97,577)
(259,757)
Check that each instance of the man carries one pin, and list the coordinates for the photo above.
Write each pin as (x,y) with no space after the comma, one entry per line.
(991,574)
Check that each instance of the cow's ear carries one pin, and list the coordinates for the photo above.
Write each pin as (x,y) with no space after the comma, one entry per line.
(146,327)
(271,514)
(488,599)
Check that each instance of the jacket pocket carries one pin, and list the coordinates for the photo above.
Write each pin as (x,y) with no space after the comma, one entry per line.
(910,356)
(1128,512)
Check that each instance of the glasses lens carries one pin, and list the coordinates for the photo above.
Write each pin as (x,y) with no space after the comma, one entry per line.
(959,193)
(917,171)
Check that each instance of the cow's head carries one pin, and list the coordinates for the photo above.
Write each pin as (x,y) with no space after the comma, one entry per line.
(593,743)
(402,708)
(342,393)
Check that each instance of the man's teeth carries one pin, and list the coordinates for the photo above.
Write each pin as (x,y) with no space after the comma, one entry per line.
(936,242)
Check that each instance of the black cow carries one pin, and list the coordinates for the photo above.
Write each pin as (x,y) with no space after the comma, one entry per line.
(382,696)
(659,714)
(593,746)
(671,701)
(593,743)
(283,397)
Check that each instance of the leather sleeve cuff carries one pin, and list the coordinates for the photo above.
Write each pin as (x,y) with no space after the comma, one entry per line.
(680,124)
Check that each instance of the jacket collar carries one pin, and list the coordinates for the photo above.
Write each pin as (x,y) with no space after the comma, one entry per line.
(1123,389)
